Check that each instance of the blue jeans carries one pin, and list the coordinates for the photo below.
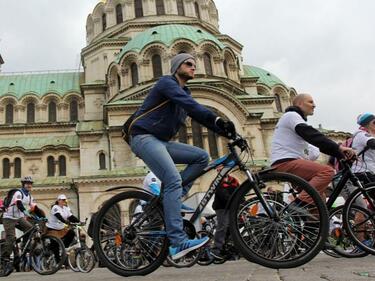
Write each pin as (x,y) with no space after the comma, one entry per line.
(161,157)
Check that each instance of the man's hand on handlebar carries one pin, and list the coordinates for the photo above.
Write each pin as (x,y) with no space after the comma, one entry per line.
(227,127)
(348,152)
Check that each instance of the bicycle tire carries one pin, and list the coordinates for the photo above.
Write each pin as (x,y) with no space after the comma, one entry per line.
(85,260)
(340,241)
(151,234)
(71,258)
(297,234)
(205,257)
(368,221)
(44,263)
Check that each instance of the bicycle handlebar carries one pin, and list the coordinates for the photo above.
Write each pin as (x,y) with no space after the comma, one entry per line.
(240,142)
(38,219)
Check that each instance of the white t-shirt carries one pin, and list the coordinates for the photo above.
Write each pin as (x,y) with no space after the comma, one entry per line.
(286,143)
(13,212)
(311,152)
(365,163)
(151,183)
(53,221)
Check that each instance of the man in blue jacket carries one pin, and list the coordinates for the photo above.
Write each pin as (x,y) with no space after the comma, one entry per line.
(151,133)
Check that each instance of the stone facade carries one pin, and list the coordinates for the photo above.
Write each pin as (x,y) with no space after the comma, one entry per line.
(115,80)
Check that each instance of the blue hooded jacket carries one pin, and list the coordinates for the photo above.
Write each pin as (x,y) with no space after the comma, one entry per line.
(165,122)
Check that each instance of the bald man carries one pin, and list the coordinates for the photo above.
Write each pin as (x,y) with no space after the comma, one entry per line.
(292,137)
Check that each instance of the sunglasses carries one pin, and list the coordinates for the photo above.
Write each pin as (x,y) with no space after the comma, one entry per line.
(189,64)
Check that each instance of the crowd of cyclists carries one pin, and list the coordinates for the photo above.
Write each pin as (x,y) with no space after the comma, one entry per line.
(294,149)
(20,211)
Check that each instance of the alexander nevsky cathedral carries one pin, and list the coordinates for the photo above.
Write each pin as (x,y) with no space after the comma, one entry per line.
(64,127)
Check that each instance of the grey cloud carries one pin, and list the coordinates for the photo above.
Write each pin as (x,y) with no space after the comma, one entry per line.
(325,48)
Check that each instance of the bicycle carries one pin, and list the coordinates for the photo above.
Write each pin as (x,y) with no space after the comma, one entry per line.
(80,257)
(359,221)
(46,253)
(340,242)
(281,238)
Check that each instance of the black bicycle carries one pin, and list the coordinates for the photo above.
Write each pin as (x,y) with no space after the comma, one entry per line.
(360,221)
(280,236)
(45,253)
(340,240)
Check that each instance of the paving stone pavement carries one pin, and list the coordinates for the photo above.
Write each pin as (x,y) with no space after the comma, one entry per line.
(322,268)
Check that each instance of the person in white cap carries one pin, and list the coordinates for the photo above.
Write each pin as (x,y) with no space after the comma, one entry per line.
(58,223)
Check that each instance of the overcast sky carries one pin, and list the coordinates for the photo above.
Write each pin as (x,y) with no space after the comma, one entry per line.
(322,47)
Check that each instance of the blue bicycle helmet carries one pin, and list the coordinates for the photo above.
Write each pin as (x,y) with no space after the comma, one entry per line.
(365,118)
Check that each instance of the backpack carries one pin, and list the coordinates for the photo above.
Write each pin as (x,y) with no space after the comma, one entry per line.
(8,198)
(347,143)
(129,123)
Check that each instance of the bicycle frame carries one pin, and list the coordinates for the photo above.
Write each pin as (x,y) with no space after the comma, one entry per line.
(228,162)
(347,174)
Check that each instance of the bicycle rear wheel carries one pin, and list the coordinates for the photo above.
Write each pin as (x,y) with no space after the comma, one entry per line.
(360,222)
(129,234)
(291,238)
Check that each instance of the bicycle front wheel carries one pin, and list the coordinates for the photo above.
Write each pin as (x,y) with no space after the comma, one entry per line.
(85,260)
(47,255)
(129,234)
(71,257)
(359,221)
(340,243)
(291,236)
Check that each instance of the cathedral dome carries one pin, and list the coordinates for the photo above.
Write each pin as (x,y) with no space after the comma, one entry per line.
(167,35)
(108,17)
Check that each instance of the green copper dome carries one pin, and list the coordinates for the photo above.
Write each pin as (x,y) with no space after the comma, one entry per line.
(39,84)
(167,35)
(265,77)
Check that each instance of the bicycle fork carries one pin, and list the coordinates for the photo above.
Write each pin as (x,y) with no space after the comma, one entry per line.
(267,207)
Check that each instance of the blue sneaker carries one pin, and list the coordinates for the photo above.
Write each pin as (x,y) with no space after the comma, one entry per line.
(358,249)
(186,209)
(186,247)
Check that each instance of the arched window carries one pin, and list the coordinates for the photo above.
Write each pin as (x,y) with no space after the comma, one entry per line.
(118,82)
(160,10)
(278,103)
(62,165)
(134,72)
(50,166)
(6,168)
(138,8)
(207,63)
(212,143)
(180,8)
(182,134)
(17,167)
(30,112)
(102,165)
(104,21)
(197,134)
(52,112)
(9,113)
(119,18)
(73,111)
(226,68)
(197,12)
(156,66)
